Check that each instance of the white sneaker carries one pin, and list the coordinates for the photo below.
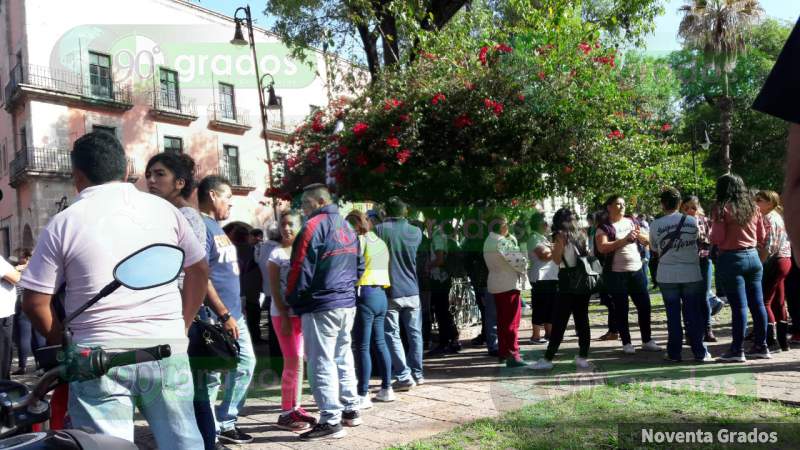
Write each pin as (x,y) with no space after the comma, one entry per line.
(582,363)
(706,358)
(386,395)
(628,349)
(364,402)
(541,364)
(651,346)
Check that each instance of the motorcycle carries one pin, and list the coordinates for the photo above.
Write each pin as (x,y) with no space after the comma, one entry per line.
(22,407)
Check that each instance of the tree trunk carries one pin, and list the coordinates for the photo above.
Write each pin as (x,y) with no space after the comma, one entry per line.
(726,119)
(391,49)
(370,43)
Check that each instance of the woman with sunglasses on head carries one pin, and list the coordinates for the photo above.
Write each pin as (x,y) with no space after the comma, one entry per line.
(618,240)
(737,229)
(777,260)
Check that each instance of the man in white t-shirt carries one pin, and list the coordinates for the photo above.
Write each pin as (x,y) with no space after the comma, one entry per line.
(108,221)
(9,277)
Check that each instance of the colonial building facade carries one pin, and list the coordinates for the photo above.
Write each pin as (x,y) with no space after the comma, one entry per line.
(162,76)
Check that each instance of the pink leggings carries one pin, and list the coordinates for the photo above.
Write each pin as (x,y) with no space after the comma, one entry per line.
(292,348)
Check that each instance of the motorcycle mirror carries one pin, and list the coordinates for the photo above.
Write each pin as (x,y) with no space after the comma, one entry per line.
(152,266)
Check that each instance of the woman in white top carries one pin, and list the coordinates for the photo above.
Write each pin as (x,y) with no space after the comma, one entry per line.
(507,278)
(289,330)
(543,276)
(619,241)
(570,240)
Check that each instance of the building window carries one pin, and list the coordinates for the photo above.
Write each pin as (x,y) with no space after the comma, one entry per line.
(23,138)
(173,145)
(3,159)
(170,94)
(100,75)
(227,101)
(230,164)
(110,130)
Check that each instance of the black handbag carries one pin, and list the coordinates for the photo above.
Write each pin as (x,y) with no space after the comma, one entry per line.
(582,279)
(211,347)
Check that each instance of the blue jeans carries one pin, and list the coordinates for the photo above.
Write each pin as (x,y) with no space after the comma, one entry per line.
(690,299)
(237,381)
(405,363)
(620,285)
(490,322)
(163,391)
(326,335)
(740,273)
(370,318)
(26,338)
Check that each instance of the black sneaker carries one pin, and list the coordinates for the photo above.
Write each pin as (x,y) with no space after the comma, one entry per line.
(453,347)
(220,446)
(758,352)
(351,418)
(324,431)
(478,340)
(404,386)
(235,436)
(440,350)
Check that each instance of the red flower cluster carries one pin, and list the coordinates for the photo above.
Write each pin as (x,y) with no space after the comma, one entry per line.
(343,150)
(607,60)
(438,97)
(462,121)
(666,127)
(360,128)
(585,48)
(521,97)
(403,155)
(430,56)
(292,162)
(541,75)
(482,55)
(496,107)
(362,160)
(503,48)
(616,134)
(316,123)
(469,85)
(393,142)
(403,117)
(545,49)
(381,169)
(389,104)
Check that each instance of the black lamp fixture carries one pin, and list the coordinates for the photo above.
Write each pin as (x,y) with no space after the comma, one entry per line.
(238,36)
(272,99)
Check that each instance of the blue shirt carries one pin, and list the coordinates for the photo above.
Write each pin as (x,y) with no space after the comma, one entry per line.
(223,267)
(403,240)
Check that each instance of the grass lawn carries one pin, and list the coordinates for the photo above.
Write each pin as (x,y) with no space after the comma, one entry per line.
(589,418)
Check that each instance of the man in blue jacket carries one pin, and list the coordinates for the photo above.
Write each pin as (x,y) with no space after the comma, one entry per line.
(321,289)
(403,240)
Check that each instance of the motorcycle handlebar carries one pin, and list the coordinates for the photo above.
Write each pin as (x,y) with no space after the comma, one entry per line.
(138,356)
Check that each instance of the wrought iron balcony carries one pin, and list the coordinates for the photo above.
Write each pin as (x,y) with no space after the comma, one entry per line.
(66,86)
(242,181)
(228,119)
(172,106)
(51,162)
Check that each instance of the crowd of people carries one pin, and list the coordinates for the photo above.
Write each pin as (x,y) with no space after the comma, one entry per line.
(349,296)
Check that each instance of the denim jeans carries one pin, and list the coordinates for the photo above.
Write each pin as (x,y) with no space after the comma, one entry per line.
(26,338)
(688,299)
(237,381)
(620,285)
(405,363)
(490,322)
(330,362)
(740,273)
(369,328)
(162,390)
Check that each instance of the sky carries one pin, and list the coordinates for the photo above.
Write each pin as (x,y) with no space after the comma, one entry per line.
(662,41)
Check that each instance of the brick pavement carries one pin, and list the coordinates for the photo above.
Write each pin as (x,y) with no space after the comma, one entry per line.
(472,385)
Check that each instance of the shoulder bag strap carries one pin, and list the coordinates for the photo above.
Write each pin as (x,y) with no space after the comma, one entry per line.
(674,236)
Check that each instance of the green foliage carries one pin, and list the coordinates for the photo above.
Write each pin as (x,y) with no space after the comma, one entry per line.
(506,117)
(759,144)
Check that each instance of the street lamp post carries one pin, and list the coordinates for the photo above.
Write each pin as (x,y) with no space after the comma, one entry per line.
(238,39)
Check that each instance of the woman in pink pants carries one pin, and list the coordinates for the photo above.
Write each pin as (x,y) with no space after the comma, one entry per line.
(290,336)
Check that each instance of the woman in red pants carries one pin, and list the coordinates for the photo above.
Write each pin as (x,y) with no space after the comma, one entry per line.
(508,276)
(777,259)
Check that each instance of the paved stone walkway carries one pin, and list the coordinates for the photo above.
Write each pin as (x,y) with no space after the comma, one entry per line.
(471,385)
